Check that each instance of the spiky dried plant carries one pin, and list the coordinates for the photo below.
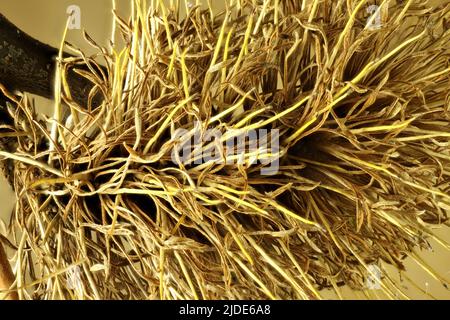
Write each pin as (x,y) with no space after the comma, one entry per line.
(363,111)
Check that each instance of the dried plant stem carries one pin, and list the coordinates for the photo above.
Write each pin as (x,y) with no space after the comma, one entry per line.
(6,277)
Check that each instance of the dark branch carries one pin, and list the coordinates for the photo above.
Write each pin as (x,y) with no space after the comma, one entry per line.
(28,65)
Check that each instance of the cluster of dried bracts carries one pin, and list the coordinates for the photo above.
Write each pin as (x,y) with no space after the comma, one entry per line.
(355,99)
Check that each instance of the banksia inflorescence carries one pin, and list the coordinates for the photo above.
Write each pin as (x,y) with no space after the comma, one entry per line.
(357,100)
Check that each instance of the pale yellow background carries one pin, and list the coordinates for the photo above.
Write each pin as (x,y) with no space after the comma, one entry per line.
(45,20)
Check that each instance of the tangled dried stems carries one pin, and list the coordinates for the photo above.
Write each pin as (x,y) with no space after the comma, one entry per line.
(364,120)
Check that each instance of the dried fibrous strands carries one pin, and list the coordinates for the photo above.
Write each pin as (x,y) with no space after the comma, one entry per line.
(361,111)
